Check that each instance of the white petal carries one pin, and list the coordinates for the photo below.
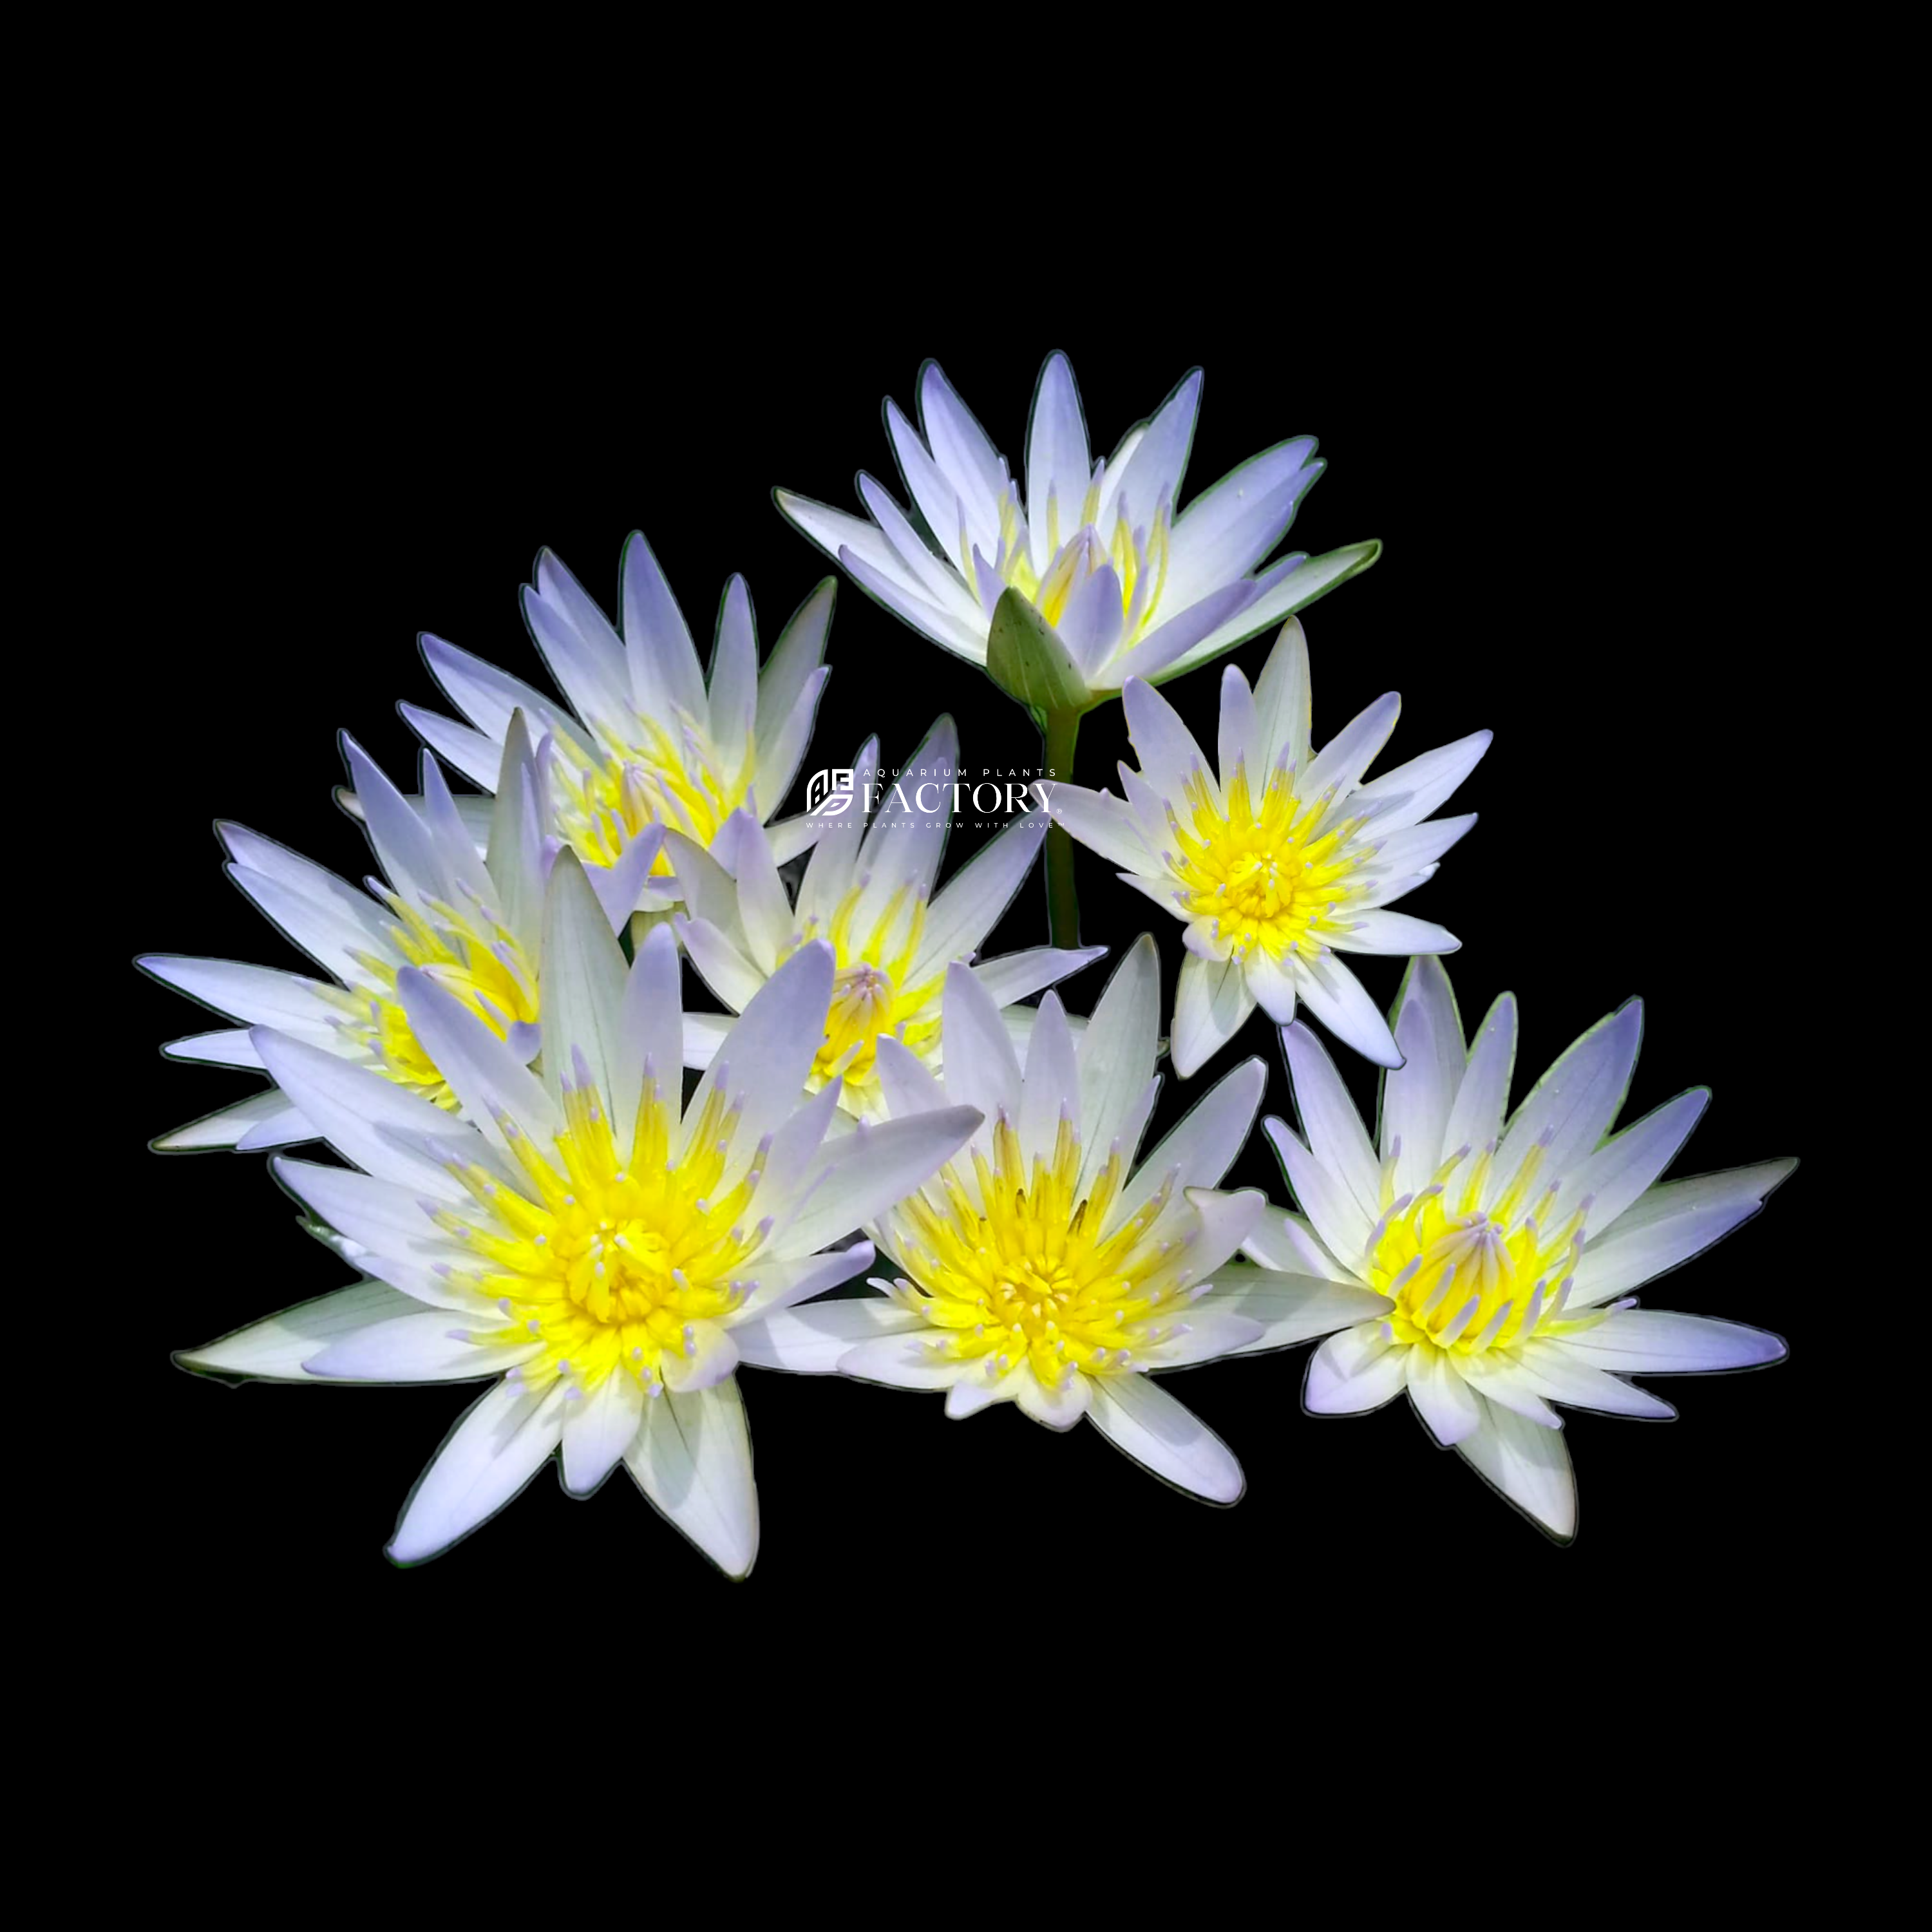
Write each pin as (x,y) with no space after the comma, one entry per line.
(1342,760)
(809,1340)
(420,1346)
(502,1441)
(1417,1095)
(720,964)
(1477,1118)
(782,685)
(1340,1001)
(1104,824)
(1211,1331)
(1425,782)
(1050,1091)
(1658,1342)
(1669,1224)
(867,1170)
(1014,975)
(1139,1416)
(1626,1165)
(1058,1405)
(903,1361)
(370,1119)
(1571,1109)
(1336,1136)
(1117,1054)
(262,1121)
(1395,933)
(1166,750)
(1353,1372)
(1565,1375)
(960,916)
(583,974)
(1445,1401)
(255,995)
(1288,1308)
(488,1078)
(278,1347)
(1211,1004)
(983,1070)
(1203,1143)
(692,1458)
(1057,462)
(657,640)
(1530,1465)
(1330,1204)
(1286,1244)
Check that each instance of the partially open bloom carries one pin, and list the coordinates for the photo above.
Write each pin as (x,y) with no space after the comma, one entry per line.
(598,1250)
(473,923)
(1130,588)
(1282,861)
(1042,1266)
(646,744)
(1505,1257)
(868,892)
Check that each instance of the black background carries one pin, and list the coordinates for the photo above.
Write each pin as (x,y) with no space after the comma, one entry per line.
(1581,554)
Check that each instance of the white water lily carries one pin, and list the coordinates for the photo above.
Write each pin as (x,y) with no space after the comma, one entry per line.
(1283,859)
(868,891)
(1130,588)
(1504,1257)
(1042,1266)
(473,923)
(601,1252)
(646,744)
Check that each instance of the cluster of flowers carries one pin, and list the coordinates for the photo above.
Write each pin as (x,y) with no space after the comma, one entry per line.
(498,1043)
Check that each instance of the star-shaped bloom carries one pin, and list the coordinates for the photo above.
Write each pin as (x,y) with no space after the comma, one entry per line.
(1041,1266)
(1505,1256)
(598,1251)
(646,744)
(1129,588)
(1283,859)
(868,892)
(472,922)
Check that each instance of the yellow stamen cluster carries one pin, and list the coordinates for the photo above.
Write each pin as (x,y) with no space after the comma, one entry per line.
(873,992)
(620,1247)
(1139,553)
(604,799)
(1018,1267)
(1273,875)
(472,954)
(1471,1279)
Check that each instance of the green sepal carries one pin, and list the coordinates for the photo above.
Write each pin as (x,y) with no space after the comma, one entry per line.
(1028,662)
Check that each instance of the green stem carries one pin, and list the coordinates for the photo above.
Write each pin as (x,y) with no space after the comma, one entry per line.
(1063,902)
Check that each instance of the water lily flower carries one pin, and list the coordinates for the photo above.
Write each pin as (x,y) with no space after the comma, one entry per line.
(472,922)
(1041,1266)
(646,744)
(1126,583)
(868,892)
(1505,1257)
(600,1253)
(1281,860)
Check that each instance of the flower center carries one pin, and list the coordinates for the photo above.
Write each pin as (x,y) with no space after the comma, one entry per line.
(1020,1267)
(876,950)
(1469,1278)
(605,798)
(1137,554)
(620,1248)
(1270,875)
(472,955)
